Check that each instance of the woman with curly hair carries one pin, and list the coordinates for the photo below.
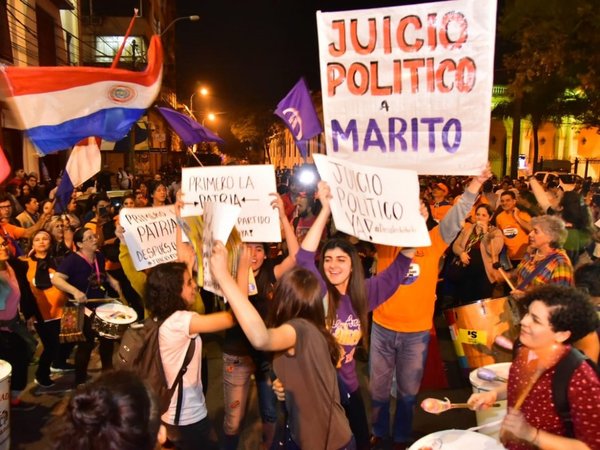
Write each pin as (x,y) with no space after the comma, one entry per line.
(115,412)
(170,292)
(556,317)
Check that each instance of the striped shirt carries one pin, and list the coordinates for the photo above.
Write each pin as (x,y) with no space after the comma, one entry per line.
(557,271)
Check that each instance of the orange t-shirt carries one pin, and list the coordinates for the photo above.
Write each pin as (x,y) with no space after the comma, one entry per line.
(410,308)
(50,301)
(516,238)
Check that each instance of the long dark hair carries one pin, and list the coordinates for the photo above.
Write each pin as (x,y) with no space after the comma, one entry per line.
(298,295)
(575,211)
(356,285)
(163,290)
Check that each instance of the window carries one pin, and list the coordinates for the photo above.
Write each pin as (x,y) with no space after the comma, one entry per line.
(5,44)
(108,46)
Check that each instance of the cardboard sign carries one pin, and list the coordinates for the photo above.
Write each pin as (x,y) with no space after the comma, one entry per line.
(369,204)
(245,186)
(219,220)
(409,86)
(150,235)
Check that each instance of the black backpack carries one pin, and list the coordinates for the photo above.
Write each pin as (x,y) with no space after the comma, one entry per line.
(139,352)
(560,385)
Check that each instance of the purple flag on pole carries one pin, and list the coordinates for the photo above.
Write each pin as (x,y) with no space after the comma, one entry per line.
(298,112)
(190,131)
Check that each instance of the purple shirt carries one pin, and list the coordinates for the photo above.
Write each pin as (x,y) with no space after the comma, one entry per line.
(346,328)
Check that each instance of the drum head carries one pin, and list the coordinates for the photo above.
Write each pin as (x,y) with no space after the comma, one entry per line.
(5,369)
(116,313)
(457,440)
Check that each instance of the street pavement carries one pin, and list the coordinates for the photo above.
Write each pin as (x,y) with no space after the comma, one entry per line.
(32,430)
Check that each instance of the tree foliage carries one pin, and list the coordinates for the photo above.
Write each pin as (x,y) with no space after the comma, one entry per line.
(252,130)
(552,63)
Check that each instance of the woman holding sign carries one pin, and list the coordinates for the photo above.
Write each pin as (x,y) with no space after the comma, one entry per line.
(349,297)
(240,360)
(306,353)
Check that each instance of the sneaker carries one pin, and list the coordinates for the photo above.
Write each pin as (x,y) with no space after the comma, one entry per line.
(45,383)
(65,367)
(20,405)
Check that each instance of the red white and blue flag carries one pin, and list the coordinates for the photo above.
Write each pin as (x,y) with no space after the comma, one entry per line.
(60,106)
(298,112)
(84,162)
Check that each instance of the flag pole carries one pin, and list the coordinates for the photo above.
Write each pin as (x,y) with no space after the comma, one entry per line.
(127,33)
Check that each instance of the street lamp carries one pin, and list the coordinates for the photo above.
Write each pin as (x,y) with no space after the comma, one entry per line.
(202,91)
(210,116)
(194,18)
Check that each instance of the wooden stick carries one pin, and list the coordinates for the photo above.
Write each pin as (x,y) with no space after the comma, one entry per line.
(521,399)
(503,273)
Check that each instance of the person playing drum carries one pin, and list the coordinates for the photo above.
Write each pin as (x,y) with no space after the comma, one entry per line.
(82,275)
(556,317)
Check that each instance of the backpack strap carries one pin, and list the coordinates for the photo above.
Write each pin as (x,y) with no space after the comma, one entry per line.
(179,379)
(560,387)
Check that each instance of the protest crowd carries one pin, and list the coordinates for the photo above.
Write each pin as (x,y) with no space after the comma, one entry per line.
(490,239)
(304,281)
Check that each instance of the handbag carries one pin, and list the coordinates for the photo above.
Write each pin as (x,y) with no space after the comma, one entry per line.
(71,324)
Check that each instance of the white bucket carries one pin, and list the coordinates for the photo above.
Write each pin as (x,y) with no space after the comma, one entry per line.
(5,371)
(492,414)
(457,440)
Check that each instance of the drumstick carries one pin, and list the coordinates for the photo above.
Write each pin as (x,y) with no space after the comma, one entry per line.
(503,273)
(536,376)
(99,300)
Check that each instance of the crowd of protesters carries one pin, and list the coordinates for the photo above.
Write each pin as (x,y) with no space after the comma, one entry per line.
(490,238)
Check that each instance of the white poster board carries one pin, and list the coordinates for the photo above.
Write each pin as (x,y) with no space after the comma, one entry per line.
(245,186)
(150,235)
(409,86)
(368,203)
(219,220)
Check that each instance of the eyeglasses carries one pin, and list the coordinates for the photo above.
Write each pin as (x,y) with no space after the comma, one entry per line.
(4,244)
(93,237)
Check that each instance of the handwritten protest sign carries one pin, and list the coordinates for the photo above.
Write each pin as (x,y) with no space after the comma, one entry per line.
(369,204)
(150,235)
(219,220)
(245,186)
(409,86)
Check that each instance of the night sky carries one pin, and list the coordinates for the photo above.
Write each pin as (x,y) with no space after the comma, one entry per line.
(250,53)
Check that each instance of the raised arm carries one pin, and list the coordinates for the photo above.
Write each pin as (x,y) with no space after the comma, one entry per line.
(289,236)
(452,222)
(539,192)
(261,337)
(313,237)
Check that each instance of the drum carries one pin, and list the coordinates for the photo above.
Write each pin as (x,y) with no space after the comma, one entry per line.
(111,320)
(5,372)
(493,414)
(456,440)
(474,327)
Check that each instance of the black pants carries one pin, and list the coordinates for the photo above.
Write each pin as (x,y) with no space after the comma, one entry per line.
(54,352)
(84,351)
(197,436)
(357,418)
(13,349)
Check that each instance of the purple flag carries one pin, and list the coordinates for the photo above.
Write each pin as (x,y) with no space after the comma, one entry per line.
(298,112)
(190,131)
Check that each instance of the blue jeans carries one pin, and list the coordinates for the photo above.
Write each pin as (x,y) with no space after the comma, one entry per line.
(406,354)
(236,385)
